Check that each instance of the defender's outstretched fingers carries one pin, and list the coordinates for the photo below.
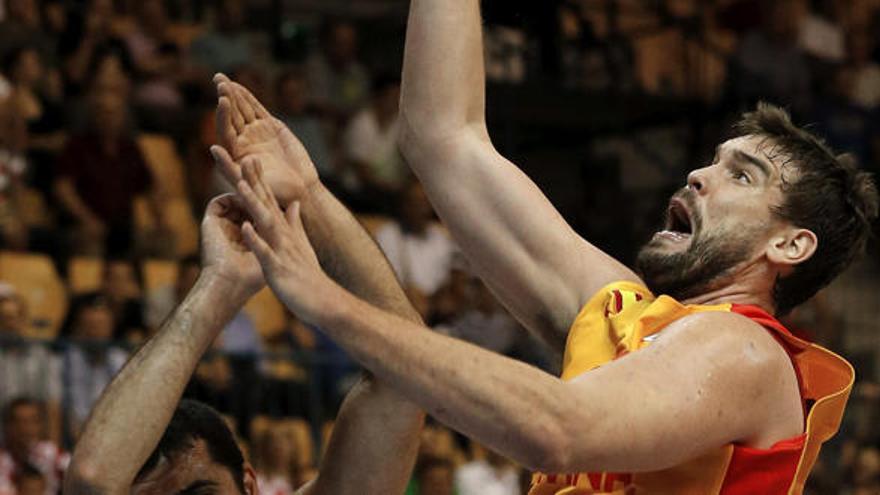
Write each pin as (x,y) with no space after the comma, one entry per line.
(244,107)
(261,249)
(220,78)
(253,174)
(230,170)
(267,221)
(225,90)
(258,108)
(226,132)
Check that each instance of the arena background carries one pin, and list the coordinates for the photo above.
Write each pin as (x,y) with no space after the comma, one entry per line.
(106,116)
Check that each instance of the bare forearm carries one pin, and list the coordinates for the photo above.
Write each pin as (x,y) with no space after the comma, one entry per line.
(510,406)
(132,414)
(350,256)
(443,75)
(375,424)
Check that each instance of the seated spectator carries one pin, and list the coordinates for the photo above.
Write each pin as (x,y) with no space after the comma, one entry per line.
(339,81)
(22,27)
(292,99)
(89,33)
(27,368)
(417,246)
(90,361)
(434,476)
(866,72)
(279,463)
(30,481)
(240,336)
(98,175)
(485,323)
(36,100)
(25,445)
(224,47)
(121,287)
(768,63)
(820,33)
(492,475)
(284,376)
(370,145)
(158,62)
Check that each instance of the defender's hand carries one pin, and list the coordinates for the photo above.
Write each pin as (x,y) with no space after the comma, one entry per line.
(280,243)
(246,130)
(224,252)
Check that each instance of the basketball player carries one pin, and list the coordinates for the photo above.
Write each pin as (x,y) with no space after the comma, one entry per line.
(139,440)
(719,398)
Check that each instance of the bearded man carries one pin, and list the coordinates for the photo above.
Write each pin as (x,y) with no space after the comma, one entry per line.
(677,377)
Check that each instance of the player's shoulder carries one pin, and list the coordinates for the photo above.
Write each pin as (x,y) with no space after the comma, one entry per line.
(730,337)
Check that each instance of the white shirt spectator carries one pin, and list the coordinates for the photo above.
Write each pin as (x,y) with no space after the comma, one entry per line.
(45,457)
(480,478)
(866,89)
(423,262)
(367,142)
(29,369)
(276,485)
(822,39)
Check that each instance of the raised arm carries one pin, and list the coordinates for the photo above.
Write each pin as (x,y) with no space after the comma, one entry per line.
(625,416)
(516,240)
(131,416)
(375,424)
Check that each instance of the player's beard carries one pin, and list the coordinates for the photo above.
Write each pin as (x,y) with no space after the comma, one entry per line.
(708,262)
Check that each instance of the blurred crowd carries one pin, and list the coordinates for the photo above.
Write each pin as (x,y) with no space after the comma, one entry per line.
(107,114)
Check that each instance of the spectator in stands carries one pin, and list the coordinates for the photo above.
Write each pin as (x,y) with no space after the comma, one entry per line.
(121,287)
(89,33)
(25,445)
(768,63)
(340,84)
(485,323)
(292,100)
(158,61)
(30,481)
(98,175)
(820,34)
(225,47)
(240,336)
(27,368)
(419,249)
(493,475)
(36,100)
(434,476)
(866,72)
(278,461)
(22,27)
(91,360)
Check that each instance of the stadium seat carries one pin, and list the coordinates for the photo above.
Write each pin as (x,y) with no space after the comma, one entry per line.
(165,163)
(180,222)
(158,273)
(267,312)
(84,274)
(35,278)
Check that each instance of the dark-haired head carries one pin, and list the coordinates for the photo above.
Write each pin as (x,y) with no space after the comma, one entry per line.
(198,448)
(776,213)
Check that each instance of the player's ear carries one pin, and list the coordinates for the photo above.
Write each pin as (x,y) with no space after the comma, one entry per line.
(250,480)
(792,247)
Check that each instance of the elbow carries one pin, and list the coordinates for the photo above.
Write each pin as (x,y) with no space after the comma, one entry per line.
(549,450)
(83,478)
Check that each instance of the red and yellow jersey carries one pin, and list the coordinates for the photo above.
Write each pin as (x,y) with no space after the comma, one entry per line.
(622,318)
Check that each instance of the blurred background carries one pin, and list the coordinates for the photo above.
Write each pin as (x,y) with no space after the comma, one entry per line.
(106,116)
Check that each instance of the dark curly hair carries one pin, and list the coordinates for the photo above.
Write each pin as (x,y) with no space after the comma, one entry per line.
(828,194)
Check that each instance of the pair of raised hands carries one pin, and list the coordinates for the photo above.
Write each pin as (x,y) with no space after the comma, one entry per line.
(246,236)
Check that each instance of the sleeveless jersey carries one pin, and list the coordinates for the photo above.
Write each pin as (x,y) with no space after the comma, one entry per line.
(622,318)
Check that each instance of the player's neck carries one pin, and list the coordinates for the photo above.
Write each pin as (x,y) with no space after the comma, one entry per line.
(752,286)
